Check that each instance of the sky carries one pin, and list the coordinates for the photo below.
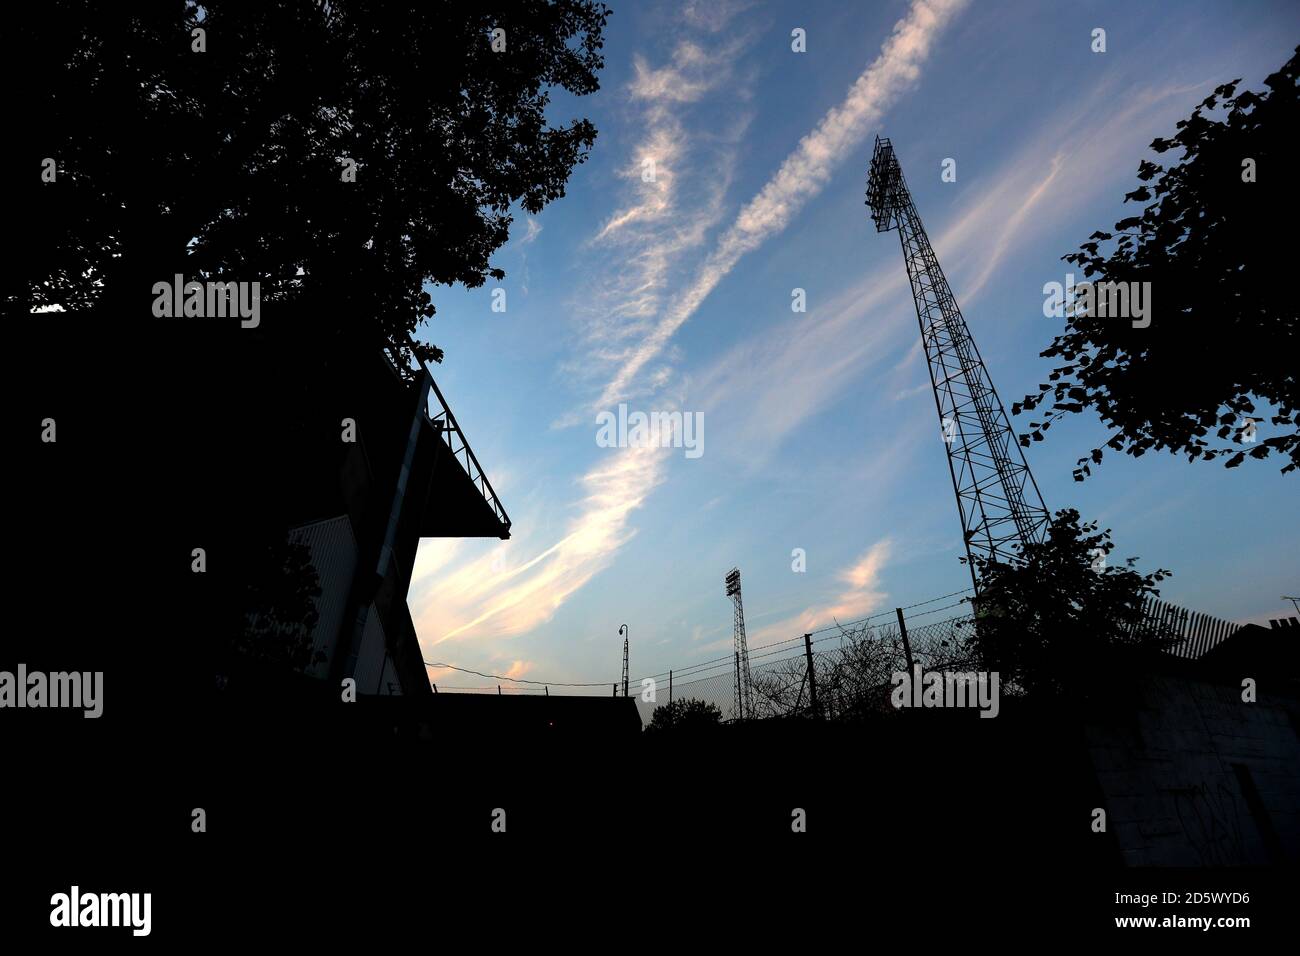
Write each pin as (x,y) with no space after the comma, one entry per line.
(819,429)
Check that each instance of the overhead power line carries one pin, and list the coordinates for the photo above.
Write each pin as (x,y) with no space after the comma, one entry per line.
(695,670)
(516,680)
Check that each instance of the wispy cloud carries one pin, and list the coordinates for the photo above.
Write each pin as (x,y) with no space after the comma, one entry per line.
(860,594)
(813,362)
(1055,173)
(640,245)
(803,174)
(664,217)
(517,669)
(480,598)
(660,95)
(653,231)
(836,344)
(713,15)
(656,249)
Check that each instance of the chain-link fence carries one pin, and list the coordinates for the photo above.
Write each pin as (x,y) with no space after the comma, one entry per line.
(851,671)
(852,665)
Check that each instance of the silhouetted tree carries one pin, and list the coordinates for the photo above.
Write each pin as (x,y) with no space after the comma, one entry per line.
(854,675)
(688,714)
(280,606)
(341,153)
(1047,622)
(1213,242)
(232,162)
(779,688)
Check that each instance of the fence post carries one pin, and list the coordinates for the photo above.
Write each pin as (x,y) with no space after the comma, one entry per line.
(812,676)
(907,647)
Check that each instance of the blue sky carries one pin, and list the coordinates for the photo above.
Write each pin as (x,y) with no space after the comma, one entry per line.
(820,430)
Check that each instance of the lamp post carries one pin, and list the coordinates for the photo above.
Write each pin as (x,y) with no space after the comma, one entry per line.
(623,632)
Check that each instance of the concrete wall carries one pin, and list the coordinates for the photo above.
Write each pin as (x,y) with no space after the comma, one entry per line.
(1177,776)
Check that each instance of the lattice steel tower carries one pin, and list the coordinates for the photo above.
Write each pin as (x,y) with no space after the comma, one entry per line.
(997,497)
(744,702)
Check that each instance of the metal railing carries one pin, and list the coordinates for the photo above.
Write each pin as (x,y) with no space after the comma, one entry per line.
(444,422)
(1197,633)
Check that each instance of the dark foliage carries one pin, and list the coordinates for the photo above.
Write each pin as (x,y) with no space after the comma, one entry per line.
(229,162)
(685,714)
(227,165)
(1224,332)
(1049,622)
(280,602)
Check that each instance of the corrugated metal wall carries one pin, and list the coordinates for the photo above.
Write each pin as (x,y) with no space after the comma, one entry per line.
(374,671)
(334,553)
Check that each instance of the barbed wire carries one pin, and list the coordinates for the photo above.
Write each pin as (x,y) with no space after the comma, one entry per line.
(726,665)
(830,627)
(695,670)
(844,679)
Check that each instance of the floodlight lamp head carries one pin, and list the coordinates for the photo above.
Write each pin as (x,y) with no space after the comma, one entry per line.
(882,186)
(733,582)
